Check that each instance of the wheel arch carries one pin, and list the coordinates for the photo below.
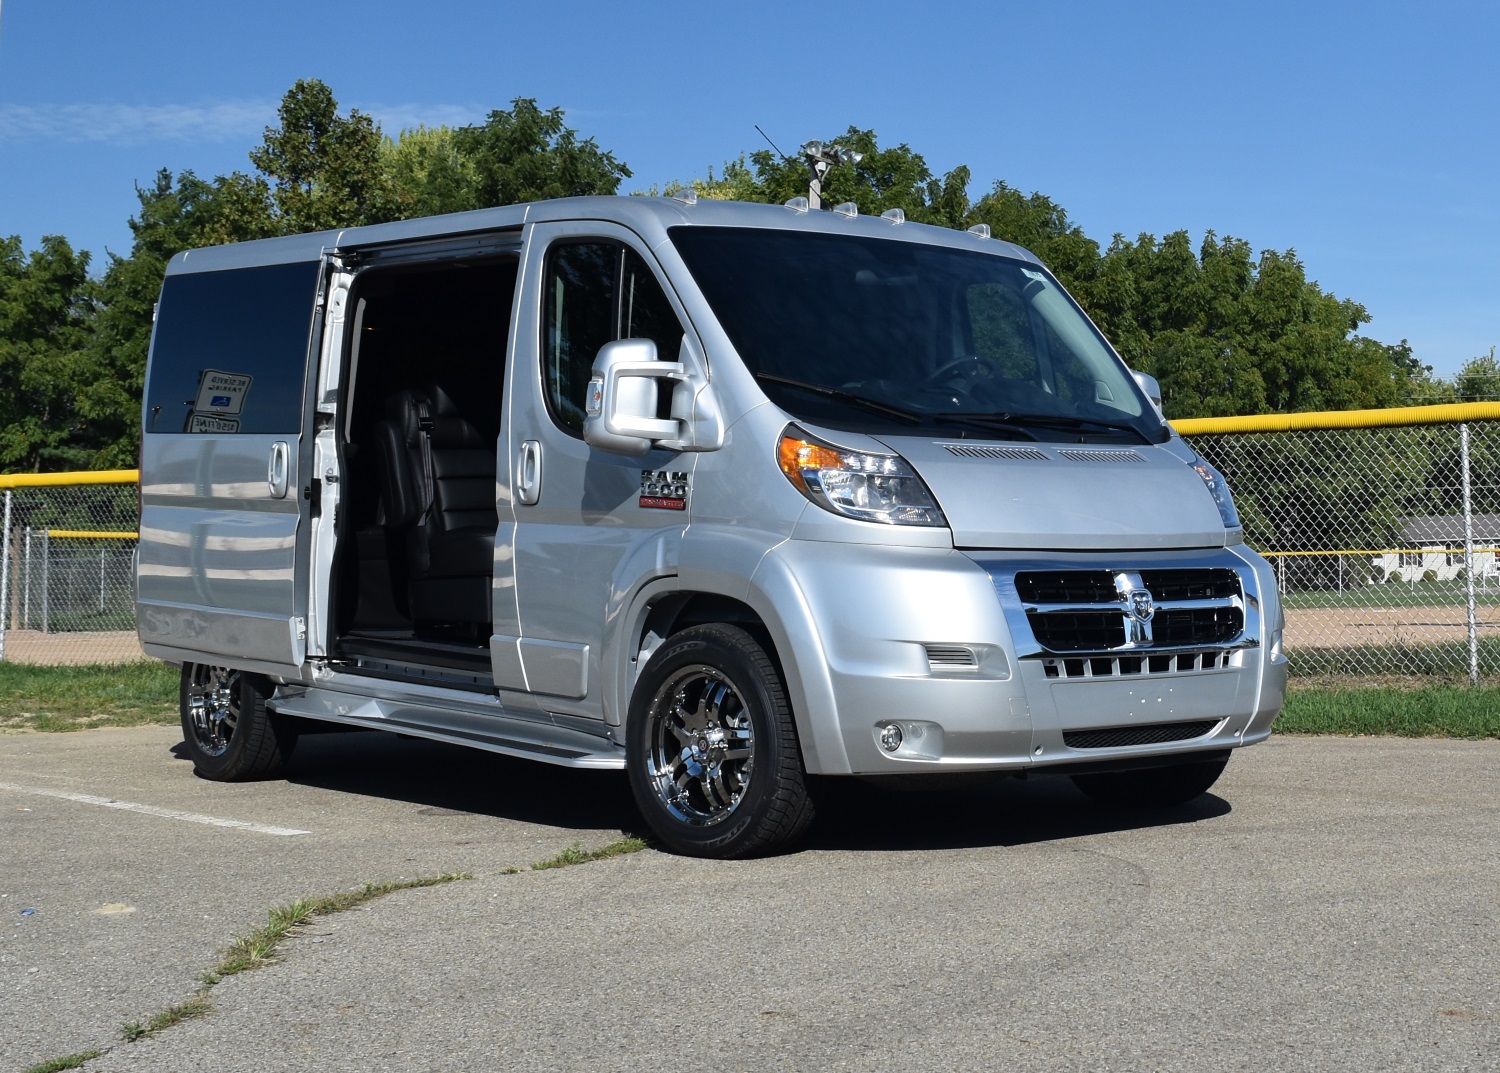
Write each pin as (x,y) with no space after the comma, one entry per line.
(666,608)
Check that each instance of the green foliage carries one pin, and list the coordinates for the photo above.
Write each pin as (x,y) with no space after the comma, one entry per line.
(1038,223)
(1227,333)
(1224,330)
(527,154)
(1479,379)
(736,182)
(47,372)
(883,179)
(576,854)
(427,175)
(72,1061)
(321,170)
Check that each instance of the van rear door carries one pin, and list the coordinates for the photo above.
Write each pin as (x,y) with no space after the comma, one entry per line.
(227,487)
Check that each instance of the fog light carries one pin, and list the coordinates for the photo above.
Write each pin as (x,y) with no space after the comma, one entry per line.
(890,737)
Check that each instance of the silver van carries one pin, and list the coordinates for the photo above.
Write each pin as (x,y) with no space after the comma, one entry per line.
(726,495)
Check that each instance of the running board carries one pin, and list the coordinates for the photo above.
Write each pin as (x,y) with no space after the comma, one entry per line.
(478,723)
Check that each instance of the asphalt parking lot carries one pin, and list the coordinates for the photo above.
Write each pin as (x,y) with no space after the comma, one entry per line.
(1332,905)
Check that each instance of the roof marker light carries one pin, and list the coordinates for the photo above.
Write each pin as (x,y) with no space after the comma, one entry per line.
(688,197)
(981,230)
(895,216)
(797,204)
(848,208)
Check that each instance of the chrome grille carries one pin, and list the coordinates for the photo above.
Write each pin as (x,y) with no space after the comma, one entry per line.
(1131,666)
(1109,611)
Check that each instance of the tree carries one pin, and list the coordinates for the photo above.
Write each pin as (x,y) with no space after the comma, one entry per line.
(882,179)
(736,182)
(1478,380)
(1038,223)
(46,301)
(527,154)
(322,170)
(427,175)
(1226,333)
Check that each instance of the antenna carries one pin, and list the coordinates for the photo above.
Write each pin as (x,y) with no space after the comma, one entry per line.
(772,144)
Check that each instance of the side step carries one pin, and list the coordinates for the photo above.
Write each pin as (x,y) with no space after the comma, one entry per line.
(474,720)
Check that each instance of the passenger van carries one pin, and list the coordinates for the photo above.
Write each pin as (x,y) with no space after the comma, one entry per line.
(726,495)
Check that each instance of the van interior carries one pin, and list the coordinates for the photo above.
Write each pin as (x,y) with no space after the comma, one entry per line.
(420,416)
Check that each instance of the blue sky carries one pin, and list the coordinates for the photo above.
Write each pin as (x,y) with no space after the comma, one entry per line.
(1362,135)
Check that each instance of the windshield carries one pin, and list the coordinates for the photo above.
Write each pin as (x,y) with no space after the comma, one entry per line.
(877,335)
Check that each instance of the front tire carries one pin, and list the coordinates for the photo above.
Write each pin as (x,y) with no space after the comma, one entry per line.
(712,750)
(229,734)
(1152,787)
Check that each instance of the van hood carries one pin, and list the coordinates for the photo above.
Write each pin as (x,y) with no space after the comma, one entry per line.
(1061,496)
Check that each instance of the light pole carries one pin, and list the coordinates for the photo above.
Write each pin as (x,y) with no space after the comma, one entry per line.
(819,159)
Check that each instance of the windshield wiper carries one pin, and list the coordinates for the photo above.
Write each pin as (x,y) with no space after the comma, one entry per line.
(988,422)
(1057,421)
(874,406)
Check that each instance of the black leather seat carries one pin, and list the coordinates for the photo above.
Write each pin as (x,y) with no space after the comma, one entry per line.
(439,498)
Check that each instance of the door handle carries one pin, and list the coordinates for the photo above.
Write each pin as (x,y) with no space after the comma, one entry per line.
(529,473)
(278,471)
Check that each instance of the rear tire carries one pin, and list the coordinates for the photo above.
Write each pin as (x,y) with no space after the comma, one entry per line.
(1154,786)
(229,734)
(711,748)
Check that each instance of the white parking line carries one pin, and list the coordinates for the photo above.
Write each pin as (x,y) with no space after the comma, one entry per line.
(152,810)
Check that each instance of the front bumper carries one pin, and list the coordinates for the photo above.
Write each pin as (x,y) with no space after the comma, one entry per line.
(939,643)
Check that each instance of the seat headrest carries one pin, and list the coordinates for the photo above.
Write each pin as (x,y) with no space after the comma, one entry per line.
(447,427)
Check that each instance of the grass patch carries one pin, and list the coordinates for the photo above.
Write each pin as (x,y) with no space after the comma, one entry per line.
(576,854)
(262,947)
(196,1006)
(83,697)
(1434,711)
(72,1061)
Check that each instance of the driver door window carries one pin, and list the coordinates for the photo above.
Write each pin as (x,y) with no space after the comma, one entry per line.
(597,292)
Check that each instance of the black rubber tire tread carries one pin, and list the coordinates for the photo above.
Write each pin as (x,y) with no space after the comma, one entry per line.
(777,808)
(1152,787)
(261,744)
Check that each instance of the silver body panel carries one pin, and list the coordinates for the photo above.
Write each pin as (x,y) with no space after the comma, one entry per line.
(871,623)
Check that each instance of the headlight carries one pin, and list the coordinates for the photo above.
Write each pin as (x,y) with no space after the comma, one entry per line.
(870,487)
(1220,491)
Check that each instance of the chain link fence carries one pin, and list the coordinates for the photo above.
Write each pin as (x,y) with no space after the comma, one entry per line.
(1384,533)
(1385,540)
(67,584)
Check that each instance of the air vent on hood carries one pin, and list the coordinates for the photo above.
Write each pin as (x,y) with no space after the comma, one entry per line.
(1099,454)
(974,450)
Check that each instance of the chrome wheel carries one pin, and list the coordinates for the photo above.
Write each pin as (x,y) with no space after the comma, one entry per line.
(702,746)
(711,747)
(212,707)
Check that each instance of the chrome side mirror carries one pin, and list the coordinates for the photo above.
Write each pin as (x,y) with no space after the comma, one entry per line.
(1147,383)
(620,408)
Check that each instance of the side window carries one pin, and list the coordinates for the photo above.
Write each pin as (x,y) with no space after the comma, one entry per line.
(645,312)
(230,351)
(579,319)
(595,293)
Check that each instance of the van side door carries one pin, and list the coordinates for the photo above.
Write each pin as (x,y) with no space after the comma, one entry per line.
(226,466)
